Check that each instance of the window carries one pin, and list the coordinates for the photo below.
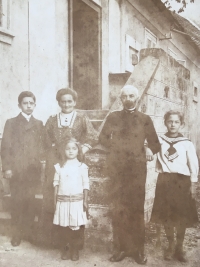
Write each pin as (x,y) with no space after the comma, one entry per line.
(1,13)
(5,22)
(150,39)
(5,14)
(176,57)
(132,53)
(172,53)
(182,62)
(195,92)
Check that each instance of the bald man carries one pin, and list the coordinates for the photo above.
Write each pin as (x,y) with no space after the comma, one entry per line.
(124,134)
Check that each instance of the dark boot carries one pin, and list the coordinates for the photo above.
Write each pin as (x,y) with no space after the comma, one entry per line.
(16,240)
(140,257)
(16,237)
(74,244)
(169,252)
(65,253)
(118,256)
(180,254)
(74,254)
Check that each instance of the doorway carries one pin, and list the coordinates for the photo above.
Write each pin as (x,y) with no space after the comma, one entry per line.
(85,54)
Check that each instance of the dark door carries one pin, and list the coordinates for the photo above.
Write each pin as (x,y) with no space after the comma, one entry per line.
(86,55)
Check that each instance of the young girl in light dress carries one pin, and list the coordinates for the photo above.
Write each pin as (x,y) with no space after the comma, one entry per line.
(71,185)
(174,204)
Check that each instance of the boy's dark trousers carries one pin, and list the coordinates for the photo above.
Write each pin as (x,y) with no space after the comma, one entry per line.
(22,208)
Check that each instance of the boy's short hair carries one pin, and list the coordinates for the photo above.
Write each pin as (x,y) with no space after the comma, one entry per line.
(26,94)
(174,112)
(66,91)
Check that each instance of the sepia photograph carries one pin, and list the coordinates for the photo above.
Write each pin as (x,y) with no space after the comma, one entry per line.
(99,133)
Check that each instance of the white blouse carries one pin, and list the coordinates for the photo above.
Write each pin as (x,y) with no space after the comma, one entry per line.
(72,178)
(185,163)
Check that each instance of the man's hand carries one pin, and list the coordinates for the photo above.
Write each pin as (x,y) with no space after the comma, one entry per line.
(8,174)
(193,190)
(149,154)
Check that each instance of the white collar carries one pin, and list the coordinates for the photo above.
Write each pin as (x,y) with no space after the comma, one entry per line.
(66,120)
(67,115)
(131,110)
(27,117)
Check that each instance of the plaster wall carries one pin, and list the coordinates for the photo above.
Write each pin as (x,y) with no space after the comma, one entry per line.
(14,61)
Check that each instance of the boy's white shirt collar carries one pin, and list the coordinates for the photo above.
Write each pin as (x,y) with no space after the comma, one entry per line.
(26,116)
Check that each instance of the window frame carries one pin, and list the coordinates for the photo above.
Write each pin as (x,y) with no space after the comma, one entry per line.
(6,34)
(150,36)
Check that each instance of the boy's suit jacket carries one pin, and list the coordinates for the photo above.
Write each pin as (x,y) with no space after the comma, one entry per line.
(20,147)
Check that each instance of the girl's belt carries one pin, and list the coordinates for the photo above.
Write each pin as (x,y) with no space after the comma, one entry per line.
(71,198)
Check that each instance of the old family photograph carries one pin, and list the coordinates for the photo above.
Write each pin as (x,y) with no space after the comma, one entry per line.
(99,133)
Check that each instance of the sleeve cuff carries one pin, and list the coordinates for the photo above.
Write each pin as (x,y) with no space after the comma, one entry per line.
(55,183)
(193,178)
(86,186)
(87,145)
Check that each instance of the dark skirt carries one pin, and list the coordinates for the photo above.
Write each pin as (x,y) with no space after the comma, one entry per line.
(173,204)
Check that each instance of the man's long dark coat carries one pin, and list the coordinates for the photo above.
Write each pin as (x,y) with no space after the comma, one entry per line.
(20,153)
(124,134)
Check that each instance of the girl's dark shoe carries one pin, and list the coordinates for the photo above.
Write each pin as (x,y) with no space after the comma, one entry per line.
(180,255)
(65,253)
(74,255)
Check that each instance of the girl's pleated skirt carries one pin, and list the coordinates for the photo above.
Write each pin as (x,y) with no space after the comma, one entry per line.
(173,203)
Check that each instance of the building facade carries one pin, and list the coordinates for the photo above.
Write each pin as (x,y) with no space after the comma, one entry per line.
(95,47)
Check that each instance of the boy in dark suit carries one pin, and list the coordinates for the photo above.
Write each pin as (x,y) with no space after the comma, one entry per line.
(20,154)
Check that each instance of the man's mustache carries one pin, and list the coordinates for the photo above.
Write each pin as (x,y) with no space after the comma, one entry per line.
(129,103)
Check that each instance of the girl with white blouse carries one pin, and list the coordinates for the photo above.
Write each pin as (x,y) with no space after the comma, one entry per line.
(174,204)
(71,186)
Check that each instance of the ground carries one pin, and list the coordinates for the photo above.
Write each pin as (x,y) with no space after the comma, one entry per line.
(28,255)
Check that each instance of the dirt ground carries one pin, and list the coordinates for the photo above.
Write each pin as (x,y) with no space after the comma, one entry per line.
(28,255)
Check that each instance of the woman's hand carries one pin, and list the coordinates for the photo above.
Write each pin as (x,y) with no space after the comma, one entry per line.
(149,154)
(8,174)
(193,189)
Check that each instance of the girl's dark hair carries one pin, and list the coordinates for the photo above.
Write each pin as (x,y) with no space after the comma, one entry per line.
(25,94)
(174,112)
(62,147)
(66,91)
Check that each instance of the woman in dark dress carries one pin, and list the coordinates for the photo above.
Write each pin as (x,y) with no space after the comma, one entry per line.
(67,123)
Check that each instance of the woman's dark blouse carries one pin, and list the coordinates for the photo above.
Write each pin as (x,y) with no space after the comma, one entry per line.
(81,129)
